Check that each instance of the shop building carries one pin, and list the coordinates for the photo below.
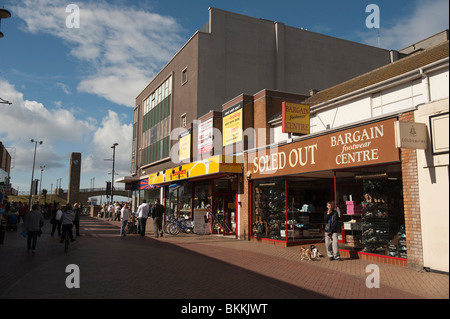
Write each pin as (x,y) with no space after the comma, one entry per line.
(231,54)
(357,155)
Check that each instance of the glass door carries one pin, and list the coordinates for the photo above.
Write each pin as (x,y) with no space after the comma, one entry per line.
(224,214)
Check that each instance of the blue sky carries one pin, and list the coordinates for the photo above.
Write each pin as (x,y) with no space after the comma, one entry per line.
(75,88)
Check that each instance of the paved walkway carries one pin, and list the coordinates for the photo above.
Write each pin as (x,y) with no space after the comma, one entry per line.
(190,266)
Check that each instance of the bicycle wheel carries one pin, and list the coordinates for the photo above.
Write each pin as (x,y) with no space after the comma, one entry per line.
(166,227)
(66,243)
(174,229)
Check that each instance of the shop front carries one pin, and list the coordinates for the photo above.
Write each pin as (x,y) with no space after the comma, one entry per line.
(204,192)
(358,168)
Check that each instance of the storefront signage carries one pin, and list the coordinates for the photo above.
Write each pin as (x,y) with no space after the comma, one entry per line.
(410,135)
(232,124)
(185,146)
(212,165)
(361,146)
(205,137)
(295,118)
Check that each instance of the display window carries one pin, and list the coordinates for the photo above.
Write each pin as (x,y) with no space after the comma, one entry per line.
(371,205)
(171,201)
(290,209)
(150,195)
(369,201)
(184,204)
(269,209)
(202,194)
(306,205)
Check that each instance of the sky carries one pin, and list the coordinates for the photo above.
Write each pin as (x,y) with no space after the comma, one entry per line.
(74,86)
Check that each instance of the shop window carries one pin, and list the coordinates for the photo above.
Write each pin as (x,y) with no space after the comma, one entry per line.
(202,195)
(306,202)
(183,120)
(184,76)
(185,195)
(269,215)
(372,211)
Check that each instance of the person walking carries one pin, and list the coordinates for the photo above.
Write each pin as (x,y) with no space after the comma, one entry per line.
(67,223)
(76,218)
(157,215)
(124,216)
(332,229)
(32,224)
(142,215)
(57,220)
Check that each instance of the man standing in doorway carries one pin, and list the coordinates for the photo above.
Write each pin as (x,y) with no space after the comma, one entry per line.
(332,228)
(142,215)
(157,215)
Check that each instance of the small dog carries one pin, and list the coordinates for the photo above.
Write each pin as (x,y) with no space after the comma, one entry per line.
(315,252)
(305,253)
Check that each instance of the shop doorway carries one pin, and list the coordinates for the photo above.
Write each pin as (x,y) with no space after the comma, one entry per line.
(223,219)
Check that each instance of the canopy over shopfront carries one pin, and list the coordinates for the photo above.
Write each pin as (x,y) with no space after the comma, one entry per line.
(216,165)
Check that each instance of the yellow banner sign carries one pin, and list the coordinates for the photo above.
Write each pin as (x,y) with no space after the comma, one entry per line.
(212,165)
(232,124)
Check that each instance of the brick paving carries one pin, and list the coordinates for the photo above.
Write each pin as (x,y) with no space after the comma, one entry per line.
(189,266)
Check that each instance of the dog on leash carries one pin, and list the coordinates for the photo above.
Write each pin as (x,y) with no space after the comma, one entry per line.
(305,254)
(315,252)
(309,253)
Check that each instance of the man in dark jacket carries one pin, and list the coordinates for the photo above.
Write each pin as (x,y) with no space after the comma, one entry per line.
(332,229)
(157,215)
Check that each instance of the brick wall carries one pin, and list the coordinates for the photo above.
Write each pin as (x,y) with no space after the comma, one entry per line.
(411,202)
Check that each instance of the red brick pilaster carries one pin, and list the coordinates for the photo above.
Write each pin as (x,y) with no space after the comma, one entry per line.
(411,202)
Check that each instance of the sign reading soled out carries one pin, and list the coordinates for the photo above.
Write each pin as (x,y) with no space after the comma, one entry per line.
(365,145)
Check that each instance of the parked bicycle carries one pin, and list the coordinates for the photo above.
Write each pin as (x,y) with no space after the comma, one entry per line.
(180,225)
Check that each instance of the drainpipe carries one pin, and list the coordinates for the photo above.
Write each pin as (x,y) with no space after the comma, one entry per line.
(425,86)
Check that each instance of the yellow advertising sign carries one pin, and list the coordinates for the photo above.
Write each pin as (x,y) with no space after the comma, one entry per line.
(185,146)
(212,165)
(232,124)
(296,118)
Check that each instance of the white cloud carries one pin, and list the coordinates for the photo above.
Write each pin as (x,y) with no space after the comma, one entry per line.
(121,47)
(62,134)
(428,18)
(26,119)
(111,130)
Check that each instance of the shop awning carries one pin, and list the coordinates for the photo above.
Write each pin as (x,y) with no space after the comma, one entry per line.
(127,179)
(214,165)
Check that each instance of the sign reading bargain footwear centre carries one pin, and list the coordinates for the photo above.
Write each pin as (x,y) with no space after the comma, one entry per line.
(295,118)
(360,146)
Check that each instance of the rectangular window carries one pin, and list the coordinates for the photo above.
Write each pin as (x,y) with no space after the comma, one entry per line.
(183,121)
(155,128)
(184,76)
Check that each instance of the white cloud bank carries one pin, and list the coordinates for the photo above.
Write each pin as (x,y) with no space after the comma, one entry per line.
(428,18)
(120,47)
(61,130)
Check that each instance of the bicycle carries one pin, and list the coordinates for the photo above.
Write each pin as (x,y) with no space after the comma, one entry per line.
(177,225)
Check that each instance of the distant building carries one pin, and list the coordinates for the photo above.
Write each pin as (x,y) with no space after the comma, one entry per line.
(5,169)
(231,54)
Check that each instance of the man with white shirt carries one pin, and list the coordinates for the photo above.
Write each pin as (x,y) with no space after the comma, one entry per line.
(142,214)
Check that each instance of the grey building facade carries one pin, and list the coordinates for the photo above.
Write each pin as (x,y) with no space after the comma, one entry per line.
(232,54)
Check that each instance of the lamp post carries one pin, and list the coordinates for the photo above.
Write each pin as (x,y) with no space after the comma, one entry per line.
(32,172)
(42,167)
(4,14)
(112,178)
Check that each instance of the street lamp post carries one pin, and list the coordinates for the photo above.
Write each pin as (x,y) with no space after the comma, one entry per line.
(112,178)
(32,172)
(42,167)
